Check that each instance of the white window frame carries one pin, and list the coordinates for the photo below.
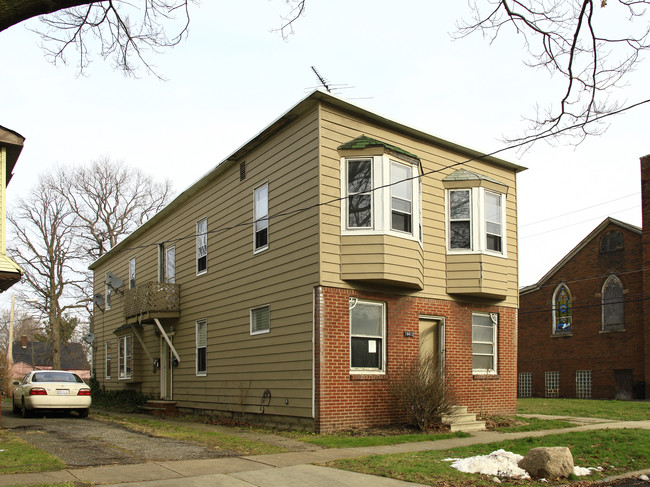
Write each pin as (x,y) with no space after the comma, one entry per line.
(381,369)
(125,357)
(554,308)
(494,319)
(381,198)
(132,273)
(201,344)
(107,301)
(201,245)
(108,359)
(478,222)
(260,217)
(170,251)
(266,307)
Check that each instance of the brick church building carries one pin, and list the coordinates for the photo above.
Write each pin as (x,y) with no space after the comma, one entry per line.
(584,328)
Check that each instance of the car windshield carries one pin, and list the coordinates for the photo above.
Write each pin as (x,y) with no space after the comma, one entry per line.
(56,377)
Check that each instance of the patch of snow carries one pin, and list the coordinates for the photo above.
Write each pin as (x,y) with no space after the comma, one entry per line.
(578,471)
(501,463)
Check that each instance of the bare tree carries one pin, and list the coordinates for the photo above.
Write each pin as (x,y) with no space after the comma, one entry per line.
(109,200)
(123,31)
(24,324)
(46,247)
(567,38)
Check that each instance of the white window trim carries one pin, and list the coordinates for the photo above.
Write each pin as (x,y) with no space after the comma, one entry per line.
(201,373)
(107,301)
(198,237)
(255,219)
(122,359)
(259,332)
(554,307)
(478,231)
(495,344)
(132,268)
(368,370)
(381,208)
(108,372)
(169,250)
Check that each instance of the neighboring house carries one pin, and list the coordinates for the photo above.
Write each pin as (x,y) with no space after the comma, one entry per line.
(584,327)
(29,355)
(296,281)
(11,144)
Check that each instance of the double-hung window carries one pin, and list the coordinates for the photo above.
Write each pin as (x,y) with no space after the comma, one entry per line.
(367,332)
(484,343)
(261,217)
(108,360)
(201,347)
(202,246)
(475,218)
(124,357)
(132,273)
(381,196)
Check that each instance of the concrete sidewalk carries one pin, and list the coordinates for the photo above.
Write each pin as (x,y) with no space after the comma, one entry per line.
(280,469)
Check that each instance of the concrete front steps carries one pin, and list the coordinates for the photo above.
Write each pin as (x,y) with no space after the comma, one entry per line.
(460,420)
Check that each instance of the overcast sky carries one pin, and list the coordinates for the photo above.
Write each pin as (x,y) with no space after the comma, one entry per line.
(233,76)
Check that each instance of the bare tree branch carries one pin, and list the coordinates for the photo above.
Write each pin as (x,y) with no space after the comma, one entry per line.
(565,38)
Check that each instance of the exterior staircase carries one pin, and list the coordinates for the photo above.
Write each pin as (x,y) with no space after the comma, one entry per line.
(460,420)
(160,407)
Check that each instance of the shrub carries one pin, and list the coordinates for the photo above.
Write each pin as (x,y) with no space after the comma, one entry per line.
(422,388)
(124,401)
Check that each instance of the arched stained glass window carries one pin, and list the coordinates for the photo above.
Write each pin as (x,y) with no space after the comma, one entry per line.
(613,304)
(562,310)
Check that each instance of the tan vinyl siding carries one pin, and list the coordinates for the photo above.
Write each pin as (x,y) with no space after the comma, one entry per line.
(240,367)
(338,128)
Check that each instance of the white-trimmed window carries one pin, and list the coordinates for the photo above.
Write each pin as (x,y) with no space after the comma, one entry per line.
(484,343)
(124,357)
(260,320)
(108,359)
(261,217)
(202,246)
(170,264)
(367,336)
(107,291)
(525,384)
(475,221)
(613,304)
(382,196)
(132,273)
(562,310)
(552,383)
(201,347)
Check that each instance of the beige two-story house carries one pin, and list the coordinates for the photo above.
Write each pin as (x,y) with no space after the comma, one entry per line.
(292,282)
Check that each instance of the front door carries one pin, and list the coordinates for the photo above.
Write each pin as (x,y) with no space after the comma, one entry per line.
(166,370)
(432,339)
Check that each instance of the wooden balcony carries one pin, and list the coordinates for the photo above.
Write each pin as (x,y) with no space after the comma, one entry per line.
(152,300)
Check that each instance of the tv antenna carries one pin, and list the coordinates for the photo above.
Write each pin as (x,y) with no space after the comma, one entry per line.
(331,88)
(322,80)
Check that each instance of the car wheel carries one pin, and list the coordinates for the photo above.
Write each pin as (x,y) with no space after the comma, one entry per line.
(15,409)
(83,413)
(25,413)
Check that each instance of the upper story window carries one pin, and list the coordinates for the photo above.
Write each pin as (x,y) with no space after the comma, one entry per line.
(611,241)
(107,291)
(170,264)
(562,310)
(613,304)
(132,273)
(202,246)
(381,191)
(475,213)
(261,217)
(260,320)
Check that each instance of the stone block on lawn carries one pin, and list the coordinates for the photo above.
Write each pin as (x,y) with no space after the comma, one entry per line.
(548,462)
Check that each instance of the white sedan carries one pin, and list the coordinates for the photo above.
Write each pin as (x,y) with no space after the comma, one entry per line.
(51,390)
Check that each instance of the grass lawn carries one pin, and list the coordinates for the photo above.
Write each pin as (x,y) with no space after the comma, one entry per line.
(617,451)
(589,408)
(351,441)
(17,456)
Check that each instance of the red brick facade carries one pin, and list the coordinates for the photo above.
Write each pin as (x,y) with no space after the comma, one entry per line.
(615,358)
(345,400)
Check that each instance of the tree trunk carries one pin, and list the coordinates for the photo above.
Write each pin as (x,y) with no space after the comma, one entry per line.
(13,12)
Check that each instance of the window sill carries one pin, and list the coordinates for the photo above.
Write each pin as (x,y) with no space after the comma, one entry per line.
(368,376)
(605,332)
(489,376)
(561,335)
(476,252)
